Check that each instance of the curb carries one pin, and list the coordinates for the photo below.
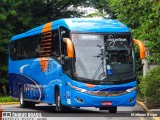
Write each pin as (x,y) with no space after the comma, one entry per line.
(142,105)
(146,109)
(9,103)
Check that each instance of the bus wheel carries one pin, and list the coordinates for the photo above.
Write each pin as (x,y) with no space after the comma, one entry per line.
(23,103)
(59,106)
(30,104)
(113,110)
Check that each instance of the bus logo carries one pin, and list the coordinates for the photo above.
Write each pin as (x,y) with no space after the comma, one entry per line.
(113,40)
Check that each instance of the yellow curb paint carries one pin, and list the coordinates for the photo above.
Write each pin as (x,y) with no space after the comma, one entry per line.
(156,118)
(8,103)
(142,118)
(147,110)
(142,105)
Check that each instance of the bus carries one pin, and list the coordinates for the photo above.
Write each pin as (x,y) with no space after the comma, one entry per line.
(74,62)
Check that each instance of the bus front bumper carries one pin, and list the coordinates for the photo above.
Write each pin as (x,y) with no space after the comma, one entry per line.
(80,99)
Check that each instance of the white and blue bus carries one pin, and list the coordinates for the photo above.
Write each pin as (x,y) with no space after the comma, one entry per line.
(74,62)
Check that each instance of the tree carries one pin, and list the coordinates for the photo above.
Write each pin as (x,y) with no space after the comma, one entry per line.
(17,16)
(143,17)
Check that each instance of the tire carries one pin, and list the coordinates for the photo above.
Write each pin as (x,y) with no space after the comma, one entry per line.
(113,110)
(23,103)
(30,104)
(59,106)
(21,99)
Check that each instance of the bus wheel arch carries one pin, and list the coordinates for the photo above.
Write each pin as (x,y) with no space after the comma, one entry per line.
(19,88)
(57,98)
(56,89)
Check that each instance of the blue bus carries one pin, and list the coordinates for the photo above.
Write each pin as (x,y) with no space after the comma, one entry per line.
(74,62)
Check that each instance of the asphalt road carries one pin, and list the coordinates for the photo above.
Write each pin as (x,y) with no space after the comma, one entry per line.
(48,111)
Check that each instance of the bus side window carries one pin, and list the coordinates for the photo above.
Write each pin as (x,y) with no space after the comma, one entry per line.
(13,50)
(55,45)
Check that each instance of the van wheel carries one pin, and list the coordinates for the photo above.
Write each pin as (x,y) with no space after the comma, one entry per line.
(113,110)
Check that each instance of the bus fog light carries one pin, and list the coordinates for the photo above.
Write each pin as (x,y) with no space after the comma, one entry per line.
(79,99)
(131,100)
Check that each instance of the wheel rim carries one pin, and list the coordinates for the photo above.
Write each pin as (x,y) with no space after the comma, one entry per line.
(21,98)
(58,101)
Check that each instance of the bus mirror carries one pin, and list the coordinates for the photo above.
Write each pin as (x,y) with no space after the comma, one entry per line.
(67,64)
(142,48)
(70,48)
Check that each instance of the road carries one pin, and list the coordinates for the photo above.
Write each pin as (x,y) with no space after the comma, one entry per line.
(123,113)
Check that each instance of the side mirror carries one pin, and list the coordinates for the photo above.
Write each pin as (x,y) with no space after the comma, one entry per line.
(142,48)
(70,48)
(67,64)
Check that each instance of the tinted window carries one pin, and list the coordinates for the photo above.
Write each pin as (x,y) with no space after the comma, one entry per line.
(24,48)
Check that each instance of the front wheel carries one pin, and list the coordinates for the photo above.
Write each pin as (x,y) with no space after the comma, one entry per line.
(59,106)
(113,110)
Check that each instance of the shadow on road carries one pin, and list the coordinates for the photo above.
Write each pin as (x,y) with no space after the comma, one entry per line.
(51,109)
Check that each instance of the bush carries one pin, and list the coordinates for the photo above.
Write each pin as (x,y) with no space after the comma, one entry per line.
(150,87)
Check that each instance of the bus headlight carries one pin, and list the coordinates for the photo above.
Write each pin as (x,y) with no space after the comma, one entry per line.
(131,89)
(76,88)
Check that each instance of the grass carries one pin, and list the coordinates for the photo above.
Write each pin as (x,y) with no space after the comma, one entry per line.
(7,99)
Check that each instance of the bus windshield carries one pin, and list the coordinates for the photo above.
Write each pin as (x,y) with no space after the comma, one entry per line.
(103,57)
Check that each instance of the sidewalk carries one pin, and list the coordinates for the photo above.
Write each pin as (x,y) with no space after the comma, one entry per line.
(151,111)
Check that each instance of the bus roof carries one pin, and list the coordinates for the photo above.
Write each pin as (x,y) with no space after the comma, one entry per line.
(85,25)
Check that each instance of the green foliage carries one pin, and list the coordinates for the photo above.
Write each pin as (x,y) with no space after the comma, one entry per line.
(17,16)
(150,86)
(103,9)
(143,17)
(7,99)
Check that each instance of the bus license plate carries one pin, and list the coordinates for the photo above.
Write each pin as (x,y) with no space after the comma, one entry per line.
(106,103)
